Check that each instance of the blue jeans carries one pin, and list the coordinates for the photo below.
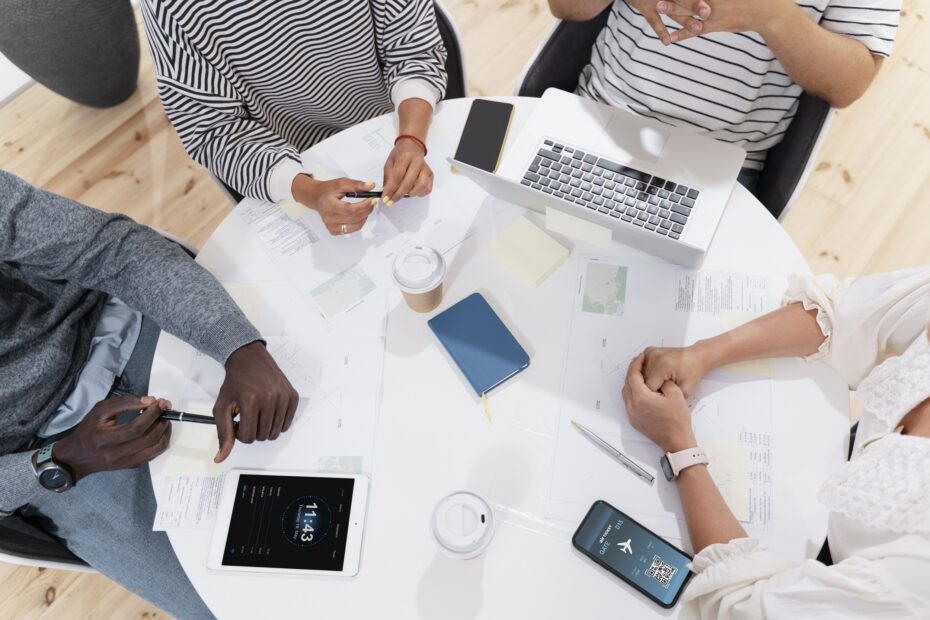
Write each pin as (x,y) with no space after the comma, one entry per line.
(106,519)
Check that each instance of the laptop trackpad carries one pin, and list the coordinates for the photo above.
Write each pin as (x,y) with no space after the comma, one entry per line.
(642,142)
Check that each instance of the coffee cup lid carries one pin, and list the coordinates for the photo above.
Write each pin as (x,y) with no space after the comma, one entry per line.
(418,268)
(463,524)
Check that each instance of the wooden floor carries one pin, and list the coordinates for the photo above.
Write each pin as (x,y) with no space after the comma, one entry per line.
(866,207)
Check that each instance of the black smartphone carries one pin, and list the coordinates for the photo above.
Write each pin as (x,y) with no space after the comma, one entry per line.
(484,134)
(635,554)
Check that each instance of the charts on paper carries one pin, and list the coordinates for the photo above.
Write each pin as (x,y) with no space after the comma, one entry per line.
(342,292)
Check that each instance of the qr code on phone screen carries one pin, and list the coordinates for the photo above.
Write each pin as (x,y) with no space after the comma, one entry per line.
(661,572)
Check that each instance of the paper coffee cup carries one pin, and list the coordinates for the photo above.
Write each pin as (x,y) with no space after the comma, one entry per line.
(418,273)
(463,525)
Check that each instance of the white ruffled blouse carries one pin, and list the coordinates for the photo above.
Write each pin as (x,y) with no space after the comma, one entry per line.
(879,527)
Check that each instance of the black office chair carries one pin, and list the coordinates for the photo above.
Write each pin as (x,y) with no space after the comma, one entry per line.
(24,542)
(456,87)
(561,57)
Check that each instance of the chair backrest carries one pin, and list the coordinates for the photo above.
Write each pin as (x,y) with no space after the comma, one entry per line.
(561,56)
(565,52)
(25,543)
(455,61)
(788,163)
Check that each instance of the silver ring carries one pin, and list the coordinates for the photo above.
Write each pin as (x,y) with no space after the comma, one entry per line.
(345,229)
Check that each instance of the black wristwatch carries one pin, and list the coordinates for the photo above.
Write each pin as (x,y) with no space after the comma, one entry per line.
(52,476)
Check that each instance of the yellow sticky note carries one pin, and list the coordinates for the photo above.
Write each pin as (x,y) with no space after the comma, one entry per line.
(577,228)
(760,368)
(729,467)
(528,251)
(294,210)
(193,447)
(249,299)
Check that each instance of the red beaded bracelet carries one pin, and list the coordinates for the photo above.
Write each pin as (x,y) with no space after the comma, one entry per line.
(415,139)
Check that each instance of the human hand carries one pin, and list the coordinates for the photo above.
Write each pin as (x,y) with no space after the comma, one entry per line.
(652,10)
(258,391)
(98,443)
(724,16)
(406,172)
(661,416)
(685,367)
(326,198)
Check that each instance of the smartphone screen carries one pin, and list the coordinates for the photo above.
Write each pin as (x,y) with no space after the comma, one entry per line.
(635,554)
(484,134)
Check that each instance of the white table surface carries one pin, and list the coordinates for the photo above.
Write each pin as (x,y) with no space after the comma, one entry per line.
(432,438)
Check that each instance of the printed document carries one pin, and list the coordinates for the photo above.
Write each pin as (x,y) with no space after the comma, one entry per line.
(618,309)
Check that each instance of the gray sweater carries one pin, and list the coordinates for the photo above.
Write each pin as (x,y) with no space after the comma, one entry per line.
(59,260)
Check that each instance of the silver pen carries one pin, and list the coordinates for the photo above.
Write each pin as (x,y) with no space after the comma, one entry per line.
(616,454)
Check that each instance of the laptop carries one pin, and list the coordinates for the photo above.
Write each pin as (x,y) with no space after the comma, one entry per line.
(660,189)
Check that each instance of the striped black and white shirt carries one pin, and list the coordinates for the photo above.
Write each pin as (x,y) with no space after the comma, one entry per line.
(248,85)
(728,85)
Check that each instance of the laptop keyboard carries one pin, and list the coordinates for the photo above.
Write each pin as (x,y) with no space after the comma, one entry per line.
(611,189)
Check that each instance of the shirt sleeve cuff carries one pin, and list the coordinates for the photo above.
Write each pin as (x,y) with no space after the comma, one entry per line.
(282,178)
(414,89)
(819,293)
(740,561)
(228,334)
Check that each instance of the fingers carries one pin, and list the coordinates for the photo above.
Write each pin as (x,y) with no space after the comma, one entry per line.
(690,27)
(249,412)
(291,410)
(411,175)
(266,420)
(224,411)
(343,185)
(698,8)
(655,21)
(393,174)
(113,407)
(424,184)
(153,442)
(345,218)
(141,425)
(634,374)
(670,389)
(280,414)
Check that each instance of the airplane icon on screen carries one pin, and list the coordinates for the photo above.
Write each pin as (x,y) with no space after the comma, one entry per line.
(625,546)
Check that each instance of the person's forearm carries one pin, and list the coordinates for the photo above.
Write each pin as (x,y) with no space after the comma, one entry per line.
(832,66)
(413,118)
(708,517)
(577,10)
(789,331)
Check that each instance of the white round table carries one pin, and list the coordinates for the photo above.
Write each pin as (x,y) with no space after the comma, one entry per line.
(433,439)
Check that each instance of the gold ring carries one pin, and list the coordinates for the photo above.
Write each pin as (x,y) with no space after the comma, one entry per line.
(345,229)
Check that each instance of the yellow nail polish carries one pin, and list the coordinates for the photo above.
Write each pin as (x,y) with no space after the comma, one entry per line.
(374,201)
(370,184)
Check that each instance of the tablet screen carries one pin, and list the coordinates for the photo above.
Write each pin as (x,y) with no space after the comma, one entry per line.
(289,522)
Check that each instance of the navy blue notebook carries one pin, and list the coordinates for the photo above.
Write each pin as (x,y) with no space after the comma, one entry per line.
(479,342)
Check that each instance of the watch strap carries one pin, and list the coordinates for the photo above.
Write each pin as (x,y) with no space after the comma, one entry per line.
(686,458)
(44,454)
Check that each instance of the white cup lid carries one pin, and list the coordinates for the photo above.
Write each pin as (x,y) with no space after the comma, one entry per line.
(419,268)
(463,524)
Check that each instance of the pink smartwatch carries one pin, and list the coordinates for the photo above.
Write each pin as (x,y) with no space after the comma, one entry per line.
(674,462)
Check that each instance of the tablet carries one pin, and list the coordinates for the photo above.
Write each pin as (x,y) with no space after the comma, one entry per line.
(289,522)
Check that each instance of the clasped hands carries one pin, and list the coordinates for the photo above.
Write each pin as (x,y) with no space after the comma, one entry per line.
(698,17)
(658,382)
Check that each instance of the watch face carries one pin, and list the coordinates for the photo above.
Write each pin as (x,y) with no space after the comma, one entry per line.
(54,479)
(667,468)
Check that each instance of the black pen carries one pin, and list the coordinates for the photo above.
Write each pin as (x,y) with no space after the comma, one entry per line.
(372,194)
(183,416)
